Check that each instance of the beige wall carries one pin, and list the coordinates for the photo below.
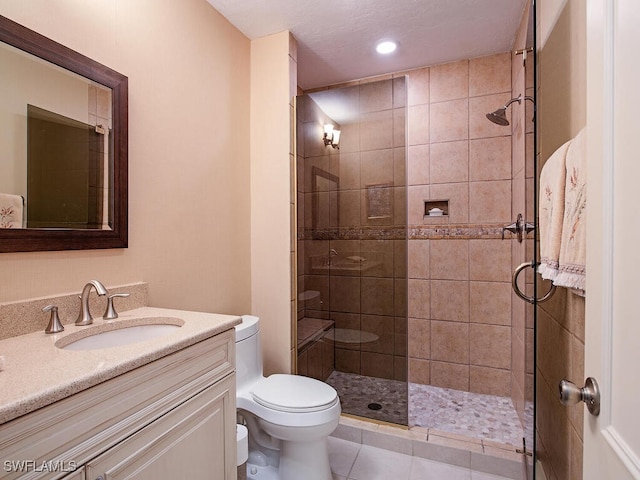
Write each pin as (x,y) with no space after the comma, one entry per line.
(273,87)
(189,223)
(562,79)
(562,114)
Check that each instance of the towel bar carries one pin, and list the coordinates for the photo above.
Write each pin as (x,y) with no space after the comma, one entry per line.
(514,285)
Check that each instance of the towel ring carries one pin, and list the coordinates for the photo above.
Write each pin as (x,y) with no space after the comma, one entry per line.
(514,285)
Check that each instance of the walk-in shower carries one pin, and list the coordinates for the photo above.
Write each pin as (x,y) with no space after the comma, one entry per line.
(404,268)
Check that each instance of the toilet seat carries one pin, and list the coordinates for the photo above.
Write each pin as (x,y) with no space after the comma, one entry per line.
(294,394)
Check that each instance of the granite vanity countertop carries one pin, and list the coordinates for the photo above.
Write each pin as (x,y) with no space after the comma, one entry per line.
(37,372)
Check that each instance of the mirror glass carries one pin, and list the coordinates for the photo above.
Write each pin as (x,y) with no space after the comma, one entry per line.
(55,126)
(63,132)
(325,189)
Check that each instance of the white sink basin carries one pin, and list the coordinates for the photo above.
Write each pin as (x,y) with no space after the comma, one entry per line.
(120,333)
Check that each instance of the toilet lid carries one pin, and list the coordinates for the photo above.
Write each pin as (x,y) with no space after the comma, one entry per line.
(294,393)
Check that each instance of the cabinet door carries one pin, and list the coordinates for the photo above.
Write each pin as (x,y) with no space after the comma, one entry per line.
(196,440)
(77,475)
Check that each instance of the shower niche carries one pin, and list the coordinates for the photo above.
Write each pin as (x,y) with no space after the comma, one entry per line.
(436,209)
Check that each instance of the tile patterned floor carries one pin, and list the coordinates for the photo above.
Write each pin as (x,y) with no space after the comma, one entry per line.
(487,417)
(357,392)
(475,415)
(353,461)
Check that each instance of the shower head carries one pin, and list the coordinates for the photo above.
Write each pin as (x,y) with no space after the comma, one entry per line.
(499,117)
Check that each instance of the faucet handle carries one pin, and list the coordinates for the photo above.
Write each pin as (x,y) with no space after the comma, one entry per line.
(55,326)
(111,313)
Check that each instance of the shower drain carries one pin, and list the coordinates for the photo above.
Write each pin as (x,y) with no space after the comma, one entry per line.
(374,406)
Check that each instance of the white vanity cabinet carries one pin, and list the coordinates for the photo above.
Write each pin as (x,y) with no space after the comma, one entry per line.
(173,418)
(188,442)
(78,474)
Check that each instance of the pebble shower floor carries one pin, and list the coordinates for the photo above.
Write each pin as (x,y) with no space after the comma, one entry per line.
(475,415)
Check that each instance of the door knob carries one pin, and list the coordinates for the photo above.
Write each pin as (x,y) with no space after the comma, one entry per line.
(570,394)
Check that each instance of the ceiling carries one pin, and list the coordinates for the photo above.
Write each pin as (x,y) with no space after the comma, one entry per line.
(337,38)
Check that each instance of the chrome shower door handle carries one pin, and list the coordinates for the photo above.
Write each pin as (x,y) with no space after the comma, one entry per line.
(520,228)
(570,394)
(516,228)
(513,228)
(516,288)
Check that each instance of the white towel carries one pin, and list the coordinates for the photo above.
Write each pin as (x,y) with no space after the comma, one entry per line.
(551,211)
(11,207)
(571,271)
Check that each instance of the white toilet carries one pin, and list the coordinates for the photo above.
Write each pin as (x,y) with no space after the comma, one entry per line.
(289,417)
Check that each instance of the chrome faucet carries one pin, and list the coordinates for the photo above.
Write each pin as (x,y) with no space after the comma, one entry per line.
(332,253)
(85,318)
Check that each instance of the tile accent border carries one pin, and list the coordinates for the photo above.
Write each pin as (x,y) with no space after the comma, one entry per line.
(414,232)
(470,231)
(26,316)
(458,450)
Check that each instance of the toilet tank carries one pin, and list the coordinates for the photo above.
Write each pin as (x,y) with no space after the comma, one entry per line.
(248,352)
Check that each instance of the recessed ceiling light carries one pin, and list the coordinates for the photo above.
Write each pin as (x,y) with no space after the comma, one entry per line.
(385,47)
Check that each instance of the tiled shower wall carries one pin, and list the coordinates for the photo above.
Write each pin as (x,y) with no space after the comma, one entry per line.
(459,267)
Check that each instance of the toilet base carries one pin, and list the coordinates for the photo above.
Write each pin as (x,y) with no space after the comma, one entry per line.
(295,460)
(256,472)
(305,460)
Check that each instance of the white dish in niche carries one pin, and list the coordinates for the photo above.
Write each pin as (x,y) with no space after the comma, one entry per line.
(436,212)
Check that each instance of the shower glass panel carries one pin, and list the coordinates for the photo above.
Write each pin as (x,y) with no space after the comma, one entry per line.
(352,246)
(528,414)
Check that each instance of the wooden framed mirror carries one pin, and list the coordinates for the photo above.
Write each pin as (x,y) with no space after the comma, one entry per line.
(103,95)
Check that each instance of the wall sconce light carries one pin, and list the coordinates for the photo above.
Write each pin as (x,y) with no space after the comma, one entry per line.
(331,136)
